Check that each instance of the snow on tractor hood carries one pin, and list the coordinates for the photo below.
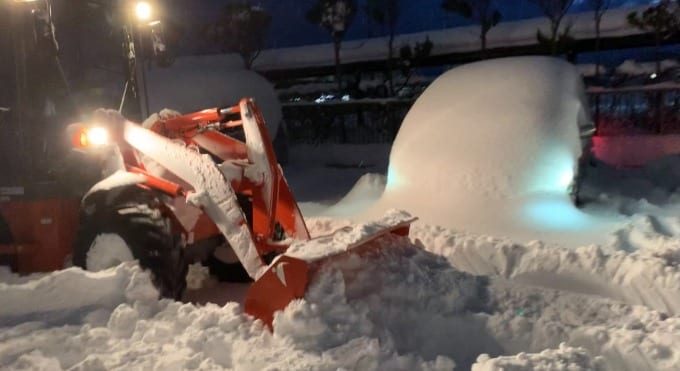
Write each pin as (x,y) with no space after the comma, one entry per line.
(492,147)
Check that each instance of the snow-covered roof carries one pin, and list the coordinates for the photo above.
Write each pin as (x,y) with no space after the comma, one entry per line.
(446,41)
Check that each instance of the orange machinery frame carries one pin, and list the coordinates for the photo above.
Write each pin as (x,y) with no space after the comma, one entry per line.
(43,230)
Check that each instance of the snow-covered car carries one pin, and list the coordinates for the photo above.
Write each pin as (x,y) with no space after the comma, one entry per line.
(493,145)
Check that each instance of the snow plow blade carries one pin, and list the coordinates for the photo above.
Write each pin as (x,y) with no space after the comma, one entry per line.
(288,276)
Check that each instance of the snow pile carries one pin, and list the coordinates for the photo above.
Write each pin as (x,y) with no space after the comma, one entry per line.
(197,82)
(417,303)
(342,323)
(492,147)
(564,358)
(538,301)
(73,294)
(348,238)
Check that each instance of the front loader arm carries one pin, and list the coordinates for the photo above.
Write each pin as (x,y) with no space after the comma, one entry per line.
(249,167)
(211,191)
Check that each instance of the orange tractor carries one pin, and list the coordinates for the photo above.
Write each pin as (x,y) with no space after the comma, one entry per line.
(176,188)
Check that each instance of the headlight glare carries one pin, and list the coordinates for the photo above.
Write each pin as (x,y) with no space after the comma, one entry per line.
(97,136)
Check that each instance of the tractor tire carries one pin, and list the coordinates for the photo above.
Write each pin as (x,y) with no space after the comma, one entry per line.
(127,223)
(5,233)
(6,239)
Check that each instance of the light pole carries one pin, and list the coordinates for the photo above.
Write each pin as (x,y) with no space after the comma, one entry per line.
(140,16)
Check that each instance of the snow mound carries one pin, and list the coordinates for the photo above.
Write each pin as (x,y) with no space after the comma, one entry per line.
(386,295)
(564,358)
(496,129)
(365,191)
(492,148)
(194,83)
(650,277)
(414,304)
(112,319)
(72,293)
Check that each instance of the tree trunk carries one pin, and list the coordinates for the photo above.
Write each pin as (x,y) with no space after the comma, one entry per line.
(597,47)
(483,39)
(336,47)
(658,97)
(553,38)
(390,65)
(598,63)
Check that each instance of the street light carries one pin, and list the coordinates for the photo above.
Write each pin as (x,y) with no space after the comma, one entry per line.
(143,11)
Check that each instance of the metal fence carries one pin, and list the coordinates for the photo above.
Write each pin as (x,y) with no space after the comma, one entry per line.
(624,111)
(634,111)
(367,121)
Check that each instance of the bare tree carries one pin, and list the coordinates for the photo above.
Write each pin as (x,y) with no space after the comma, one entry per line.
(335,16)
(555,10)
(599,8)
(386,14)
(661,20)
(479,11)
(411,57)
(241,28)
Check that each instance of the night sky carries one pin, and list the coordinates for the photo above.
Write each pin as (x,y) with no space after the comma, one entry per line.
(289,27)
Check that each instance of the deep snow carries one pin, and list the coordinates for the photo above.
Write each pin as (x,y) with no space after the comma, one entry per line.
(439,299)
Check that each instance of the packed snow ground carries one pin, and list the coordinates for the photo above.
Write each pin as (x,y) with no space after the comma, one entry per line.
(438,298)
(443,298)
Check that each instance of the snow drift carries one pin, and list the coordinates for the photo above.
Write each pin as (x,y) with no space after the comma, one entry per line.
(492,147)
(404,308)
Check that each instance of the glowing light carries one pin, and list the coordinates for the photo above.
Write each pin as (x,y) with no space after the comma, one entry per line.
(553,174)
(555,213)
(98,136)
(143,10)
(653,76)
(392,179)
(566,178)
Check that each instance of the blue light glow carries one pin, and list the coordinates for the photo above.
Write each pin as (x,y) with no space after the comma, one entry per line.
(555,213)
(554,173)
(566,178)
(392,178)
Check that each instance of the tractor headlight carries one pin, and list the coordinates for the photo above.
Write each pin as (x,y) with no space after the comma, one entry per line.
(97,136)
(89,137)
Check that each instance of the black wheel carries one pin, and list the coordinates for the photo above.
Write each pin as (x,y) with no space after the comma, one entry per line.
(227,272)
(6,239)
(127,223)
(5,234)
